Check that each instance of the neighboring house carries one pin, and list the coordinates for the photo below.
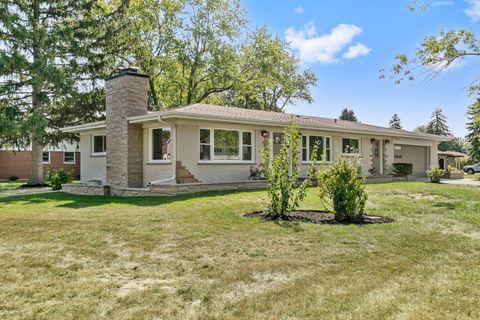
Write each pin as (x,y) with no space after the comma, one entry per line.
(217,144)
(17,162)
(451,158)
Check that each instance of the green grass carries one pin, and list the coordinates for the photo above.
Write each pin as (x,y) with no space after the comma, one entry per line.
(197,257)
(9,185)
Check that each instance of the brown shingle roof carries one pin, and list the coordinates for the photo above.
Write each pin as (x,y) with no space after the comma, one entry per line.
(207,110)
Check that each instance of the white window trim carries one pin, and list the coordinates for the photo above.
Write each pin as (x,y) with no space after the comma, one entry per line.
(150,146)
(49,158)
(93,153)
(346,154)
(308,148)
(74,157)
(240,147)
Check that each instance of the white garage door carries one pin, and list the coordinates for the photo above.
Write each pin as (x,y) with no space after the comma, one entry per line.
(416,155)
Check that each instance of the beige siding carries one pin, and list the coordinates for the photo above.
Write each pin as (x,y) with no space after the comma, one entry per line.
(416,155)
(91,167)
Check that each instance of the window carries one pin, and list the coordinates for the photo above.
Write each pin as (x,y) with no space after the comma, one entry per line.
(160,144)
(322,144)
(46,157)
(99,145)
(225,145)
(350,145)
(68,157)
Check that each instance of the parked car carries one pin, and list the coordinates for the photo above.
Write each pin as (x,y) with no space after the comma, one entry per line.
(471,169)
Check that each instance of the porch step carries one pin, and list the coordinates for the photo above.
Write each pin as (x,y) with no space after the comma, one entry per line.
(184,175)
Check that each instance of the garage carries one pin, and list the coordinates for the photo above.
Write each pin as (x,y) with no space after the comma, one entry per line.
(416,155)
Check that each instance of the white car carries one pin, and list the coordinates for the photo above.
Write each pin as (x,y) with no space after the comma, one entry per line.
(471,169)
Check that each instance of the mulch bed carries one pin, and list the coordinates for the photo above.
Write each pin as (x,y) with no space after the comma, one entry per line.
(38,185)
(319,217)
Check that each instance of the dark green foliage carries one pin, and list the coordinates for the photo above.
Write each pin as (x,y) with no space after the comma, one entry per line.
(402,169)
(435,174)
(348,115)
(284,191)
(13,178)
(342,184)
(395,122)
(56,178)
(473,127)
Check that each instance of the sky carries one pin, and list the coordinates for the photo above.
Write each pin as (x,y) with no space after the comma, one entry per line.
(347,42)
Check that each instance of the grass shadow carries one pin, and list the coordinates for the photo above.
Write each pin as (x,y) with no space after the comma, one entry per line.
(85,201)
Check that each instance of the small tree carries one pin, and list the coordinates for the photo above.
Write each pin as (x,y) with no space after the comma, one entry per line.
(395,122)
(348,115)
(342,184)
(283,189)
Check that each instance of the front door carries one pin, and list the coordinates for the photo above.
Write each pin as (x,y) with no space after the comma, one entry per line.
(376,158)
(276,142)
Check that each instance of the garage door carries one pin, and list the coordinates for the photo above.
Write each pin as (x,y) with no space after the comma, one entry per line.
(416,155)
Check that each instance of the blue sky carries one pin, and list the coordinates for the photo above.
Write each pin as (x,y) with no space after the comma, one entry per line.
(347,42)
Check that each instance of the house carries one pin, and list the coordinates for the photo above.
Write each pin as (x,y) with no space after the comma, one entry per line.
(16,163)
(451,158)
(207,145)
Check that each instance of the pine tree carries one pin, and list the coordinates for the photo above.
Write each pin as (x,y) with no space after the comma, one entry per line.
(473,127)
(348,115)
(395,122)
(438,124)
(52,54)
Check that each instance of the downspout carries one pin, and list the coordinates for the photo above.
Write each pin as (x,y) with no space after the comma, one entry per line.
(174,156)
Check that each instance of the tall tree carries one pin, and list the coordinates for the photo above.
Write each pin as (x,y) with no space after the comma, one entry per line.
(438,124)
(51,54)
(473,127)
(348,115)
(395,122)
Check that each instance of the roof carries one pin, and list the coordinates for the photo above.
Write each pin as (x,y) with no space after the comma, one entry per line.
(454,154)
(242,115)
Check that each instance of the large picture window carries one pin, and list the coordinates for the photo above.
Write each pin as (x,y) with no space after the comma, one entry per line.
(225,145)
(99,145)
(160,145)
(350,146)
(323,148)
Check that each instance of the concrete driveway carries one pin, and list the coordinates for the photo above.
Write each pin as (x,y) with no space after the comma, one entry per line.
(462,182)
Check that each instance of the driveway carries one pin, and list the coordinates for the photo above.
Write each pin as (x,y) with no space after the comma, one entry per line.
(462,182)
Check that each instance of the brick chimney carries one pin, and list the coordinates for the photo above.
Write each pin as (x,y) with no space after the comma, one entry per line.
(126,92)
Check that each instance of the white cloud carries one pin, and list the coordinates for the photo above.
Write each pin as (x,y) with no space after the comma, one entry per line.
(325,48)
(442,4)
(298,10)
(356,51)
(473,10)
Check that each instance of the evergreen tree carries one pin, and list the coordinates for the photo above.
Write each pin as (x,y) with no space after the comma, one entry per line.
(395,122)
(52,53)
(348,115)
(473,127)
(438,124)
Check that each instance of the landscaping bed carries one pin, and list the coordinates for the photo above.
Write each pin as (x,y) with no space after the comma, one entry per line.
(319,217)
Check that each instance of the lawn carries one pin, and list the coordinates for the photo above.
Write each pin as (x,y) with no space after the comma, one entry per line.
(197,257)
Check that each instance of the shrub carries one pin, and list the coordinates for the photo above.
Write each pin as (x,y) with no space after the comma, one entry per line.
(434,174)
(402,169)
(257,172)
(343,185)
(283,189)
(13,178)
(56,178)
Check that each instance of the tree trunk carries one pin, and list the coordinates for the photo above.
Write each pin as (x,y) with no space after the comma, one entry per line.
(36,166)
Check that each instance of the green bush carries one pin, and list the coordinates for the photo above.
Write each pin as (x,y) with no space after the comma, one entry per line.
(56,178)
(435,174)
(342,187)
(13,178)
(284,191)
(402,169)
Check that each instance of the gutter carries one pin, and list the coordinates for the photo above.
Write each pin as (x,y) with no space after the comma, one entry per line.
(174,157)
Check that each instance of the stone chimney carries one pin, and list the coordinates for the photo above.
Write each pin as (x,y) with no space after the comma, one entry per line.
(126,92)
